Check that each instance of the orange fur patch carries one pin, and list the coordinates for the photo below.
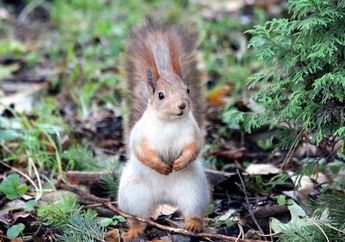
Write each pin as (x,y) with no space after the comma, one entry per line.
(195,224)
(135,228)
(189,154)
(149,157)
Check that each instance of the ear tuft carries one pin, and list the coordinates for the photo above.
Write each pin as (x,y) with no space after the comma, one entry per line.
(151,81)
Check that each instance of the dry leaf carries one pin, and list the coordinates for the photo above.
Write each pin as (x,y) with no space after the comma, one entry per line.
(163,209)
(262,169)
(227,215)
(216,97)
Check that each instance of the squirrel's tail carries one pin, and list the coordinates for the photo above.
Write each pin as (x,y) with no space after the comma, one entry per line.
(161,49)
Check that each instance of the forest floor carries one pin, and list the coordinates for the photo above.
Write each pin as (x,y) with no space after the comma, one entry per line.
(61,123)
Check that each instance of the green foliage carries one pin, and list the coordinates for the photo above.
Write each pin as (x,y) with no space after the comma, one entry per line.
(82,226)
(259,183)
(15,230)
(304,79)
(331,206)
(57,213)
(77,224)
(110,184)
(80,158)
(34,138)
(12,188)
(325,223)
(112,221)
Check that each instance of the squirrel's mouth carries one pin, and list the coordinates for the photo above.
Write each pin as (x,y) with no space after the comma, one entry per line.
(180,113)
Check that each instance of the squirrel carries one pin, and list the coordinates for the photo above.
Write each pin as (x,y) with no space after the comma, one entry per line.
(165,118)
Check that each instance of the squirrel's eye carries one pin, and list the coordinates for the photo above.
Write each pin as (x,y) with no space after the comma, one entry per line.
(160,95)
(188,91)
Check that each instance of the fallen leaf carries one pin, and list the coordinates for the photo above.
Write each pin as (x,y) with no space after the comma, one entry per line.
(222,6)
(296,211)
(306,185)
(306,150)
(163,209)
(7,70)
(25,97)
(216,97)
(227,215)
(262,169)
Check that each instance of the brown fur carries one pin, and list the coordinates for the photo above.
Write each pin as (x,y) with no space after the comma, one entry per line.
(162,50)
(189,154)
(151,158)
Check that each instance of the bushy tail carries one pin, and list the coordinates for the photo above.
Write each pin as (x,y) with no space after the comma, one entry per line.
(161,49)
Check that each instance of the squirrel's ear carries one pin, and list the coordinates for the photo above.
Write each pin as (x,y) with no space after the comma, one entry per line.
(152,83)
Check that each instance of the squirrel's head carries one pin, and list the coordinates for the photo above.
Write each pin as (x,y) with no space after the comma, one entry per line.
(168,95)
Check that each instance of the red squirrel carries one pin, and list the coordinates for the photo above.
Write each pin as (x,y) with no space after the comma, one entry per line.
(165,109)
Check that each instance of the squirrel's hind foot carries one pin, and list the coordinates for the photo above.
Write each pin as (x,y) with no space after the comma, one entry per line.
(195,224)
(135,228)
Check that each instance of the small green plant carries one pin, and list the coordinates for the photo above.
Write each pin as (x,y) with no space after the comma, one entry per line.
(12,187)
(80,158)
(112,221)
(110,184)
(57,213)
(282,201)
(76,223)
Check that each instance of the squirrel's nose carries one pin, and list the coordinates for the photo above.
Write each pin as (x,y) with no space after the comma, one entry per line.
(181,105)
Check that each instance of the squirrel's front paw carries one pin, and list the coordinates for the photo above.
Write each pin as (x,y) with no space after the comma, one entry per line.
(179,164)
(163,168)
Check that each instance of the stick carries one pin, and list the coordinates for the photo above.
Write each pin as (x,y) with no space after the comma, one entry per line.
(83,195)
(107,203)
(250,210)
(291,151)
(87,177)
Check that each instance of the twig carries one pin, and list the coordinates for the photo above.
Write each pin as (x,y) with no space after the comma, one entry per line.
(322,223)
(270,223)
(291,150)
(250,209)
(319,227)
(84,195)
(96,205)
(87,177)
(240,228)
(28,9)
(178,230)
